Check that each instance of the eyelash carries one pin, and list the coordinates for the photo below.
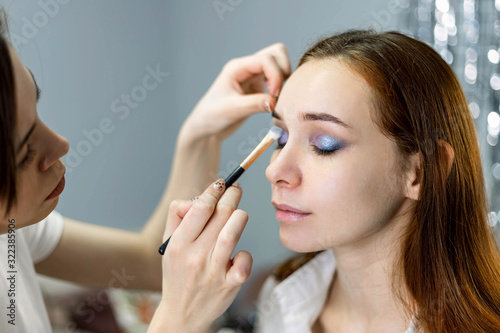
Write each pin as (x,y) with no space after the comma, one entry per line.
(28,158)
(316,150)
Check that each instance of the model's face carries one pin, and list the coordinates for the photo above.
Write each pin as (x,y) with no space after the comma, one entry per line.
(38,152)
(346,178)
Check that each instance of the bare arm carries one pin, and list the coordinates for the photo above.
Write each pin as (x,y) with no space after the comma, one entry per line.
(94,255)
(91,254)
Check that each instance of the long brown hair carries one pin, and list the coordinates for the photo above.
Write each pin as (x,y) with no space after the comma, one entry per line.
(7,121)
(449,263)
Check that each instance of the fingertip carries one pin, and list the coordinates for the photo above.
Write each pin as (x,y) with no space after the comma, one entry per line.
(277,94)
(244,262)
(249,258)
(267,106)
(274,85)
(239,276)
(269,103)
(211,195)
(272,90)
(237,185)
(243,213)
(220,185)
(243,276)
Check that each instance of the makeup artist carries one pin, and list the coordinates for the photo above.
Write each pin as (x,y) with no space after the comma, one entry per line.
(32,178)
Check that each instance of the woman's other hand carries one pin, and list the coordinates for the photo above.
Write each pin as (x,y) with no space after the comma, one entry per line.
(238,92)
(200,280)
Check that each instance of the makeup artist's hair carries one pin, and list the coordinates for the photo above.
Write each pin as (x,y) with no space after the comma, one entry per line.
(7,120)
(449,264)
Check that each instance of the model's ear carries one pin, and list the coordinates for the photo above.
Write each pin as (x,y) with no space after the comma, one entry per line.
(414,176)
(414,173)
(446,156)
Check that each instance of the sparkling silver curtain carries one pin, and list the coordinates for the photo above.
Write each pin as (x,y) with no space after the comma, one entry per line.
(467,35)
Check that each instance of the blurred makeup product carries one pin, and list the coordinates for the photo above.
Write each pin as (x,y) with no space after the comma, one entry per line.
(271,136)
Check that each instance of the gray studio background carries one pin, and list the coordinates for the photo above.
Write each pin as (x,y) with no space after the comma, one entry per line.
(86,54)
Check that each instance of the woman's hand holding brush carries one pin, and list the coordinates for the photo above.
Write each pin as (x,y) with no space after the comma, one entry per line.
(200,280)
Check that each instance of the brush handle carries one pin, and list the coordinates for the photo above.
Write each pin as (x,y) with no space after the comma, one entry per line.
(229,181)
(163,246)
(234,176)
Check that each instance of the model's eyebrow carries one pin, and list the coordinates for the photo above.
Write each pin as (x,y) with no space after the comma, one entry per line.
(38,91)
(26,138)
(308,116)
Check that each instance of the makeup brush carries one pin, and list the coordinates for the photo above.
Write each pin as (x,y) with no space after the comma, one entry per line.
(273,134)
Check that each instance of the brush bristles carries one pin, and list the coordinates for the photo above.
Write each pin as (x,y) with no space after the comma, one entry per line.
(275,132)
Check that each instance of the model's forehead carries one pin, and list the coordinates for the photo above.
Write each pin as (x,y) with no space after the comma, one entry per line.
(327,86)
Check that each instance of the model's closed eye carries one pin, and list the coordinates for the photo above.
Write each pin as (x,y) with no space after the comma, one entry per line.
(321,144)
(326,145)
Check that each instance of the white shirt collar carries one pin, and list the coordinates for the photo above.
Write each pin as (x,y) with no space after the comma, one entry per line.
(298,300)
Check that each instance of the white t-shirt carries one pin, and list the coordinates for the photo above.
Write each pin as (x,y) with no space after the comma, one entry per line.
(294,304)
(33,244)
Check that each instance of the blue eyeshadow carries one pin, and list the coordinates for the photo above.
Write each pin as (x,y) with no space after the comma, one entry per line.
(325,142)
(283,138)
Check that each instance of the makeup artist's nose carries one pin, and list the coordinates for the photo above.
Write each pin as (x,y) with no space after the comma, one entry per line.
(284,169)
(56,147)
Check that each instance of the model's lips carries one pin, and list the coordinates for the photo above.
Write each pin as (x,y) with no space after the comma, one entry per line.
(58,189)
(288,208)
(287,213)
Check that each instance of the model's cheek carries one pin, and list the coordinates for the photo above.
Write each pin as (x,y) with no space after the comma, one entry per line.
(343,192)
(332,194)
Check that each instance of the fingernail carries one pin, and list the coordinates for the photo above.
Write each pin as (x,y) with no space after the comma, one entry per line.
(237,185)
(219,185)
(267,106)
(194,198)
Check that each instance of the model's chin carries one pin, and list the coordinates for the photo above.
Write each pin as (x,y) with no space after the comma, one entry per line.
(298,242)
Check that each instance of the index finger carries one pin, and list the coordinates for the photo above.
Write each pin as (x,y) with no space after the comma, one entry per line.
(247,67)
(280,54)
(200,212)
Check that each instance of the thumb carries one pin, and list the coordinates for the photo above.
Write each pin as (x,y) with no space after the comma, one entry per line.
(250,104)
(240,269)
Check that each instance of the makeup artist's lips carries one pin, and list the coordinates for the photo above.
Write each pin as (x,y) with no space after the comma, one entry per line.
(287,213)
(58,189)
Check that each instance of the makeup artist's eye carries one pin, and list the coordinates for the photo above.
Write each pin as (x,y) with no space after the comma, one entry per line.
(27,159)
(326,145)
(282,140)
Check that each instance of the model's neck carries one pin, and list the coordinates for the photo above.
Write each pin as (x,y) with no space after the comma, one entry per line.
(361,290)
